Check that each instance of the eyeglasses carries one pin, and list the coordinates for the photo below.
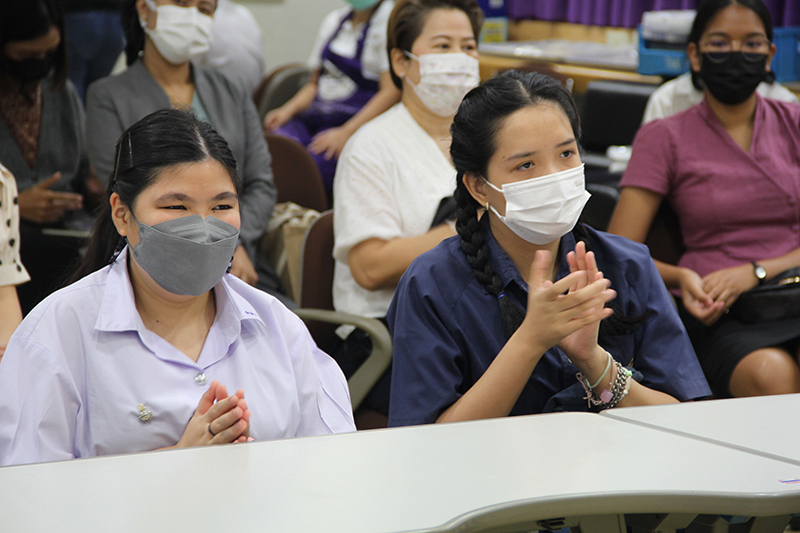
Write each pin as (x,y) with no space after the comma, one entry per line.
(752,48)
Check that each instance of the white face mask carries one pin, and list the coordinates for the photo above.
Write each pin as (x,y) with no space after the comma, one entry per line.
(542,210)
(444,80)
(180,33)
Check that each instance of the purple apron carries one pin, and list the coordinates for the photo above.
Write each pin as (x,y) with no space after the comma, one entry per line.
(325,114)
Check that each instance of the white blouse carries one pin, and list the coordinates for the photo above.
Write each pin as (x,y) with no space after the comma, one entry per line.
(389,182)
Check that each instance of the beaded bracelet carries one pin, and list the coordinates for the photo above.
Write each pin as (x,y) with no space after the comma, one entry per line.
(621,386)
(608,399)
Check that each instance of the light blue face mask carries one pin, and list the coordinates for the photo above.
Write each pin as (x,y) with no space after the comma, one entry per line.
(362,5)
(188,255)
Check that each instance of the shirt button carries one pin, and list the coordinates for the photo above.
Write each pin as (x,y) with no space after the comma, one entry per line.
(201,379)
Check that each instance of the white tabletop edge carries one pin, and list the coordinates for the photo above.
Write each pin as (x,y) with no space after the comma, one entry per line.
(577,505)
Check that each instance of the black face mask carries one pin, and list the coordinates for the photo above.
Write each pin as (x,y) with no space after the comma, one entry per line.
(733,79)
(28,70)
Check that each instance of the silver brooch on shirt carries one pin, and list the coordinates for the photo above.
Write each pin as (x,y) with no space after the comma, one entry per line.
(145,414)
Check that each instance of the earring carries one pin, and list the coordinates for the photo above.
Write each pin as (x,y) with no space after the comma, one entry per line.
(487,205)
(230,265)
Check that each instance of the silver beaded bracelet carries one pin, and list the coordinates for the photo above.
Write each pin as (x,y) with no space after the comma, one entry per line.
(608,399)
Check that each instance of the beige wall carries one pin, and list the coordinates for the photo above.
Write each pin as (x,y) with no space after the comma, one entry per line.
(289,26)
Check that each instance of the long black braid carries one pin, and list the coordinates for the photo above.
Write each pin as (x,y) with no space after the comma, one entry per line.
(478,256)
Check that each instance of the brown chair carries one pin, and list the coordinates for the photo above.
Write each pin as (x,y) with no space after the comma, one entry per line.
(279,85)
(258,94)
(296,175)
(316,309)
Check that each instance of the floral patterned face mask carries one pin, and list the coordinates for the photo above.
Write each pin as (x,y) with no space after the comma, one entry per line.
(444,80)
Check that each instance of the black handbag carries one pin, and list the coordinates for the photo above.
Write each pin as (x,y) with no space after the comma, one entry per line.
(776,299)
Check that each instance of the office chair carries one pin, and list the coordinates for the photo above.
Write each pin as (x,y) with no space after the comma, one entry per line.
(611,115)
(316,309)
(598,210)
(279,86)
(296,176)
(664,238)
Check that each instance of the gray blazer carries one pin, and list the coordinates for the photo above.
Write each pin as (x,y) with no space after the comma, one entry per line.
(115,103)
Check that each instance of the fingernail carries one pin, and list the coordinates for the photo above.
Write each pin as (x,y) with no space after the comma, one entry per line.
(250,439)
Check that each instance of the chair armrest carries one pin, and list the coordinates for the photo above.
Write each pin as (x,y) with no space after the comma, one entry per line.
(370,371)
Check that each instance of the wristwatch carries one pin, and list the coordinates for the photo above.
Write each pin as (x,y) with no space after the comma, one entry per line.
(760,272)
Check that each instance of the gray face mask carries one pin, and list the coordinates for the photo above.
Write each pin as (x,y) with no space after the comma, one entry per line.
(188,255)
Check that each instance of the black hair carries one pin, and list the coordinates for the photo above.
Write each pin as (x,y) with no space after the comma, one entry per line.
(475,127)
(132,28)
(23,20)
(408,19)
(709,9)
(160,140)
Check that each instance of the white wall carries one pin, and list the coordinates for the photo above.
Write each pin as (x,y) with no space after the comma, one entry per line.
(289,26)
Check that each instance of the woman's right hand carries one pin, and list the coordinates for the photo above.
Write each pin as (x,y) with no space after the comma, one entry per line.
(557,310)
(277,118)
(41,205)
(227,416)
(696,300)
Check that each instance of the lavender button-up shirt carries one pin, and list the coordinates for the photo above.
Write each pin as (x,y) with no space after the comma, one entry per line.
(83,377)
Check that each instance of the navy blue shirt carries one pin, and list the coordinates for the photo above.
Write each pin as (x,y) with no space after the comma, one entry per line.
(446,330)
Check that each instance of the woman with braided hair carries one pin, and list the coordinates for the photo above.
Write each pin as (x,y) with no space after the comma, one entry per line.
(589,325)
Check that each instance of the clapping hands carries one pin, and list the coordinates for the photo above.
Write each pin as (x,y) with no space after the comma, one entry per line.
(567,312)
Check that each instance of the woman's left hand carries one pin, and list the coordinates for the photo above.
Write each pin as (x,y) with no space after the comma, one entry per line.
(330,142)
(581,346)
(727,284)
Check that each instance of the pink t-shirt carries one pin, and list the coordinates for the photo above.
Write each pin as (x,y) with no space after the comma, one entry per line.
(734,207)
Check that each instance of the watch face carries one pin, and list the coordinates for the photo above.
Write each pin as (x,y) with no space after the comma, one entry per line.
(761,272)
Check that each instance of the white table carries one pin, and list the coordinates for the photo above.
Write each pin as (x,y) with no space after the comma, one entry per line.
(766,425)
(453,477)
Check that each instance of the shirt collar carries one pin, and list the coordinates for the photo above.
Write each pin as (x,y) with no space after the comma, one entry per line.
(118,308)
(709,116)
(505,267)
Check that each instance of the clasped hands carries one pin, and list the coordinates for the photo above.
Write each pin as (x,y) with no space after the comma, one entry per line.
(567,313)
(708,298)
(42,205)
(218,419)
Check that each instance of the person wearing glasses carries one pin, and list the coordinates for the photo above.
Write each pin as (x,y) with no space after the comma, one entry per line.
(729,168)
(686,91)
